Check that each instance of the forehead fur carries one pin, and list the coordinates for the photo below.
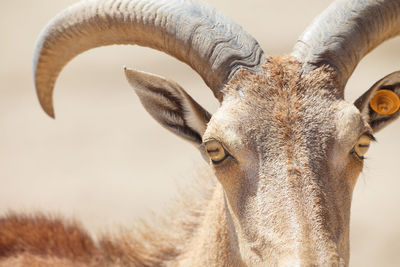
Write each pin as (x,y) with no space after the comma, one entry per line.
(283,74)
(281,95)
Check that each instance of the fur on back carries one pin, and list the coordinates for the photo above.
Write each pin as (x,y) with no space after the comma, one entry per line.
(43,240)
(34,239)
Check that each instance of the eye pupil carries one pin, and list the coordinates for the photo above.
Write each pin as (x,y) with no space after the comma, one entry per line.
(360,145)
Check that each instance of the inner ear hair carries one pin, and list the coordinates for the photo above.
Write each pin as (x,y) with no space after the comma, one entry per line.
(170,105)
(389,95)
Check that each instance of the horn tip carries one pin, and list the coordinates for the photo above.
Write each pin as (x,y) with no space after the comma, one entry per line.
(48,109)
(51,114)
(46,102)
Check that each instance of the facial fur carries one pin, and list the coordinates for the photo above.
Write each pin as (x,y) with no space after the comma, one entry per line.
(290,179)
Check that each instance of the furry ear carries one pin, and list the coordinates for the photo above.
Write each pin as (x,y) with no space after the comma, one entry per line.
(380,104)
(170,105)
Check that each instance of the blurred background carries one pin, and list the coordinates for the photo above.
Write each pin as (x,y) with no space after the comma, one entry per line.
(105,161)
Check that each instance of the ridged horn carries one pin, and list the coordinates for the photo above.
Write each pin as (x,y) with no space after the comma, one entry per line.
(345,32)
(193,32)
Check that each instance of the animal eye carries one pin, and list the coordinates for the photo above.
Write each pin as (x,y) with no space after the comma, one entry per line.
(215,151)
(362,145)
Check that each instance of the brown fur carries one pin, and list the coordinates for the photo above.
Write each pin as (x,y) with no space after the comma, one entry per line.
(166,238)
(41,240)
(24,238)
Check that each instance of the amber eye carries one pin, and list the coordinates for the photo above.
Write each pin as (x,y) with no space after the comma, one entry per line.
(215,151)
(362,146)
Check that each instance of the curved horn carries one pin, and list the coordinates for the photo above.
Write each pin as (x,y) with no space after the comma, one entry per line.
(194,33)
(345,32)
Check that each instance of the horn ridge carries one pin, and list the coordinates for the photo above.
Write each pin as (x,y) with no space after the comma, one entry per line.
(345,32)
(193,32)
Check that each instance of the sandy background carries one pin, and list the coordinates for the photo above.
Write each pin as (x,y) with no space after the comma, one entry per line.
(106,162)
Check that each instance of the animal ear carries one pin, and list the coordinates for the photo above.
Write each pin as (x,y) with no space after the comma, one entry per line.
(170,105)
(380,104)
